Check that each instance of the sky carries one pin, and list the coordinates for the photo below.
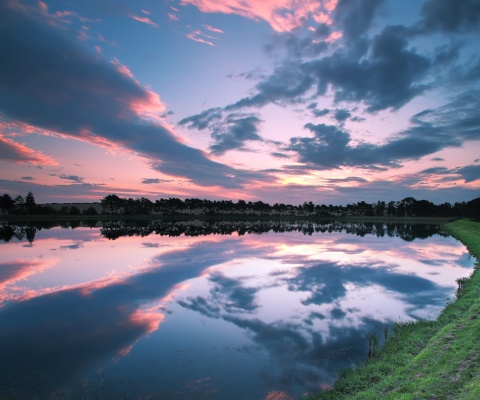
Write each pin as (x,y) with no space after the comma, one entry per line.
(330,101)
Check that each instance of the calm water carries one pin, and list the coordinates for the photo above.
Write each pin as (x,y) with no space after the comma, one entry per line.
(251,316)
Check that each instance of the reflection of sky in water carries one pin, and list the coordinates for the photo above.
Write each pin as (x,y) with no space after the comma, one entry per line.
(212,317)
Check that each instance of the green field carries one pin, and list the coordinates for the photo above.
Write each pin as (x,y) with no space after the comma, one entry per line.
(437,359)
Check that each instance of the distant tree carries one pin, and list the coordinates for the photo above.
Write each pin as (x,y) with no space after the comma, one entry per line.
(143,206)
(380,208)
(112,203)
(45,210)
(19,207)
(64,210)
(6,203)
(424,208)
(391,209)
(30,204)
(90,211)
(74,211)
(472,208)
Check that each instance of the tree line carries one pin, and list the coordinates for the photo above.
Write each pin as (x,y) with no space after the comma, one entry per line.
(408,207)
(115,205)
(28,206)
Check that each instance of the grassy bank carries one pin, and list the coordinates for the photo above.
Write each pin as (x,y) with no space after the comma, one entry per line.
(428,359)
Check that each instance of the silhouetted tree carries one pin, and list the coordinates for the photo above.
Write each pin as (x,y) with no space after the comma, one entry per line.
(30,204)
(74,211)
(111,203)
(90,211)
(19,205)
(6,203)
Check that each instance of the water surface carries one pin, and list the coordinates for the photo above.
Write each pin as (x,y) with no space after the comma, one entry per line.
(172,312)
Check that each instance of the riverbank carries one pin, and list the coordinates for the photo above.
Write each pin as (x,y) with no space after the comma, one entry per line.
(227,217)
(437,359)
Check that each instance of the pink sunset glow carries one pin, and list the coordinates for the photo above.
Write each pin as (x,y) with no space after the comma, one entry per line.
(18,153)
(283,15)
(280,101)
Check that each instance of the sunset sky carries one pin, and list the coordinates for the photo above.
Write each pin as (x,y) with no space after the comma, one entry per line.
(330,101)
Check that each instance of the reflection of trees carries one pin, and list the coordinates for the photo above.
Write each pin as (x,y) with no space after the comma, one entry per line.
(408,232)
(115,229)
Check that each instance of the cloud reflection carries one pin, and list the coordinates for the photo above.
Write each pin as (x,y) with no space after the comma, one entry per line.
(291,298)
(76,328)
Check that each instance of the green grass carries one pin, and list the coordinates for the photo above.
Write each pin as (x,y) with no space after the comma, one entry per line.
(427,359)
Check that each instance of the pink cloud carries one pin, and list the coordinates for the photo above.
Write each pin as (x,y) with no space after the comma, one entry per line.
(17,270)
(282,15)
(19,153)
(212,29)
(150,105)
(144,20)
(60,16)
(198,36)
(12,272)
(334,36)
(172,17)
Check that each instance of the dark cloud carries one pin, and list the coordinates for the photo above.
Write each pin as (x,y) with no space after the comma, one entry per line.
(446,54)
(470,173)
(435,170)
(320,113)
(389,78)
(346,180)
(279,155)
(330,148)
(387,74)
(355,16)
(150,181)
(203,120)
(75,246)
(327,282)
(342,115)
(338,313)
(358,119)
(300,357)
(236,296)
(151,245)
(73,178)
(229,132)
(227,295)
(431,131)
(286,84)
(27,178)
(449,16)
(55,84)
(294,46)
(438,159)
(233,132)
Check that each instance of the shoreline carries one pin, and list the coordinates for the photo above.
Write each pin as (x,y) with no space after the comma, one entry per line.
(426,359)
(228,217)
